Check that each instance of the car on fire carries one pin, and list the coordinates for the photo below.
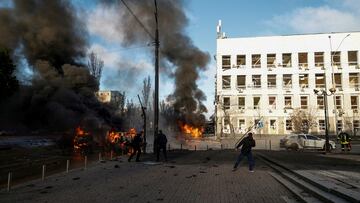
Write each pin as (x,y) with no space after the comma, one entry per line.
(304,141)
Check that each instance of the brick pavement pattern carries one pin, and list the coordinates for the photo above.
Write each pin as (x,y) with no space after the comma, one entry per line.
(202,176)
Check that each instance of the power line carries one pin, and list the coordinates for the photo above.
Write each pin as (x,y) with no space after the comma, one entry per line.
(137,19)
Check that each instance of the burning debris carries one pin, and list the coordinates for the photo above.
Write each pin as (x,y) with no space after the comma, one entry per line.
(195,132)
(83,141)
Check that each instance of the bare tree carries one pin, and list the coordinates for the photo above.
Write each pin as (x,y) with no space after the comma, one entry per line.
(146,91)
(95,66)
(303,119)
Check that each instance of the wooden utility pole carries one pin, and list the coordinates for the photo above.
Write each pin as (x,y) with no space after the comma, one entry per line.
(156,102)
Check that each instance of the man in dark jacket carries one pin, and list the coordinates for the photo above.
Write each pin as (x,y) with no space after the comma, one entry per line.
(344,139)
(247,143)
(161,142)
(136,145)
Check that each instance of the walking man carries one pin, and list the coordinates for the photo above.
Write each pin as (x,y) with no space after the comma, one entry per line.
(344,141)
(247,143)
(161,145)
(136,144)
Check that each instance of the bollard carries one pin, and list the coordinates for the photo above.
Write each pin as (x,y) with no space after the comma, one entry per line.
(43,172)
(180,146)
(270,144)
(195,147)
(207,147)
(9,182)
(99,156)
(67,166)
(111,155)
(85,164)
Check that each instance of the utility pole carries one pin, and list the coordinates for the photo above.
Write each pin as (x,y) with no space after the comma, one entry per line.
(156,107)
(143,109)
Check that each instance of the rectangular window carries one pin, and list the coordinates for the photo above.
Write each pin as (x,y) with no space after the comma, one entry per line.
(335,58)
(271,60)
(337,80)
(319,59)
(320,102)
(319,80)
(303,102)
(272,102)
(226,62)
(286,60)
(287,81)
(352,58)
(304,81)
(256,80)
(288,125)
(321,125)
(271,81)
(273,124)
(256,60)
(226,82)
(356,126)
(241,61)
(338,102)
(256,102)
(226,101)
(303,60)
(241,102)
(354,102)
(241,81)
(241,124)
(339,125)
(354,79)
(288,102)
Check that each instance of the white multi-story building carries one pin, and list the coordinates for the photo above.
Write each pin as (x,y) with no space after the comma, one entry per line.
(111,97)
(269,77)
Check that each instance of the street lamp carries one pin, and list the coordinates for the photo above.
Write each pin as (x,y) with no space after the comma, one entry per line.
(324,93)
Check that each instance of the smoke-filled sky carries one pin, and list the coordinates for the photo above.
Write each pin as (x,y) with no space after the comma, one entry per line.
(239,18)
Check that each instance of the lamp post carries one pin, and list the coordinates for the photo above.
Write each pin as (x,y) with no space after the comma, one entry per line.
(324,93)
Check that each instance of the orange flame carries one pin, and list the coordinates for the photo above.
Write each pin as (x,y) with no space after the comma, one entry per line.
(113,136)
(194,131)
(78,134)
(79,131)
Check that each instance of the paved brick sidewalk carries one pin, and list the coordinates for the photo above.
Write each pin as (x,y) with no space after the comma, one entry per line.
(190,177)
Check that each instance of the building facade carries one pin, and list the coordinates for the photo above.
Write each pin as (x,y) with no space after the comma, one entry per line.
(110,97)
(271,77)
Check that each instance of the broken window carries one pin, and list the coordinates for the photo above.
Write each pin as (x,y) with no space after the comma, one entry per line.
(304,81)
(286,60)
(241,124)
(337,80)
(271,60)
(320,102)
(303,60)
(226,101)
(335,58)
(241,102)
(288,125)
(321,125)
(288,102)
(354,79)
(272,102)
(241,61)
(338,102)
(354,102)
(226,82)
(256,102)
(352,58)
(256,60)
(271,81)
(339,125)
(319,59)
(256,80)
(273,124)
(226,62)
(241,81)
(319,80)
(287,81)
(303,102)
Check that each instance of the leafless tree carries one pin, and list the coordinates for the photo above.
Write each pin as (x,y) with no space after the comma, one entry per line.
(303,119)
(95,65)
(146,91)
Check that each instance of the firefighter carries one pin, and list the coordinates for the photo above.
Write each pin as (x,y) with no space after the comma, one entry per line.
(344,139)
(136,145)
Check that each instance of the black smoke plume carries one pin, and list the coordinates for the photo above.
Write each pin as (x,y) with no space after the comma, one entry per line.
(176,47)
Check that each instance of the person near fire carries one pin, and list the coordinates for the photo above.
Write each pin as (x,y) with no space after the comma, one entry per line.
(161,142)
(136,145)
(247,143)
(344,139)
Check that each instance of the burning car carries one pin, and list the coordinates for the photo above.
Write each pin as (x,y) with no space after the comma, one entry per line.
(83,141)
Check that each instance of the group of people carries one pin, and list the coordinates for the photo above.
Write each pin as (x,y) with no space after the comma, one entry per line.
(138,142)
